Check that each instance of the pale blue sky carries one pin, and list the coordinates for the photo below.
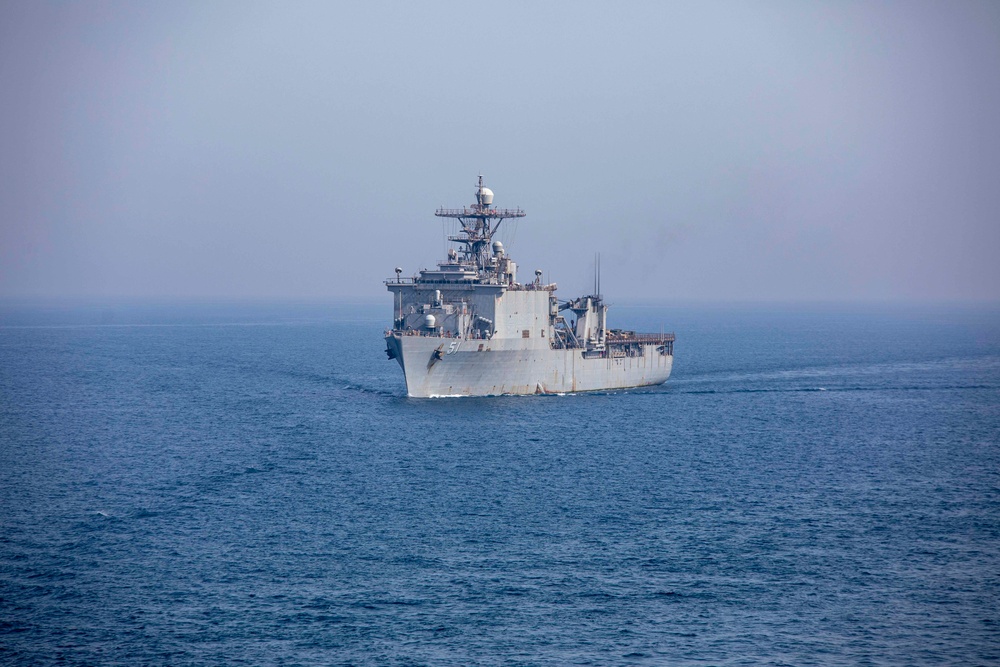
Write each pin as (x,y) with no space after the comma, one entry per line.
(709,151)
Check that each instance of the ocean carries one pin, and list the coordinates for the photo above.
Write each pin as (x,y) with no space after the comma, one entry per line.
(239,484)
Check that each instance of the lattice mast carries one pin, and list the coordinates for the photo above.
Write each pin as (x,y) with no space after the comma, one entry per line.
(479,223)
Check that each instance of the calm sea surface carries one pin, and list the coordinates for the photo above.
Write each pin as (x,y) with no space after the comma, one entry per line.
(249,485)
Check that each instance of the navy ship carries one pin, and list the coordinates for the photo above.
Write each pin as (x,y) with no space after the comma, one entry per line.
(469,328)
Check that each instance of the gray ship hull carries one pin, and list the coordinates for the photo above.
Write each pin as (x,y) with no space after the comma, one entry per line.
(435,366)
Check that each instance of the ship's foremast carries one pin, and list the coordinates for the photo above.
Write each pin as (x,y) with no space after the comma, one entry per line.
(479,223)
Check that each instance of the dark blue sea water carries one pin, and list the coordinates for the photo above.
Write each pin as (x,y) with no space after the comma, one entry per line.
(248,485)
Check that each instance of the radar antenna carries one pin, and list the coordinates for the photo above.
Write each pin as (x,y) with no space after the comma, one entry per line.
(479,223)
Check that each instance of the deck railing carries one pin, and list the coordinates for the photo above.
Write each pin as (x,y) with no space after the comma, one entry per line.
(658,339)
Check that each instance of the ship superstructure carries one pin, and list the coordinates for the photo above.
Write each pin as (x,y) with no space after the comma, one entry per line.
(469,328)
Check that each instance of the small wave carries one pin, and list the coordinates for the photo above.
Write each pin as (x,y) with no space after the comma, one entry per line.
(361,389)
(767,390)
(799,390)
(985,363)
(346,383)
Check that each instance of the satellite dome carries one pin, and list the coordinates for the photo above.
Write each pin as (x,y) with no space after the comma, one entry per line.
(430,321)
(485,197)
(497,248)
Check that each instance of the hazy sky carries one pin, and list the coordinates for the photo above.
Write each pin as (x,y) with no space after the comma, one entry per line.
(710,151)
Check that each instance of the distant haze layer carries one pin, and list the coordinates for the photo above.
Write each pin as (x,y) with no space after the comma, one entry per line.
(710,150)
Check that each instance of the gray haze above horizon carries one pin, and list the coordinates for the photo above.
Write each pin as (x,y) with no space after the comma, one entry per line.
(770,151)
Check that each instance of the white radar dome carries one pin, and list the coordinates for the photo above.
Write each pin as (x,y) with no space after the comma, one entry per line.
(486,195)
(497,248)
(430,321)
